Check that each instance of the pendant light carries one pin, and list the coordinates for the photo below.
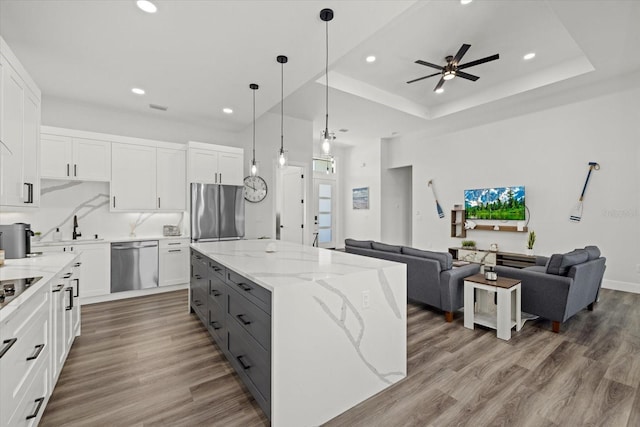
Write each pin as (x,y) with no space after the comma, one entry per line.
(282,159)
(326,15)
(254,166)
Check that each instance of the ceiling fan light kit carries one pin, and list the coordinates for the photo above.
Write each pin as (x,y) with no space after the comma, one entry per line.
(452,68)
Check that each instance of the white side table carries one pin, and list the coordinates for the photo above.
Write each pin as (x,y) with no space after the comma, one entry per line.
(508,311)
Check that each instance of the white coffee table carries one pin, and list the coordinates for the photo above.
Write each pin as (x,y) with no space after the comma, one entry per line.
(508,310)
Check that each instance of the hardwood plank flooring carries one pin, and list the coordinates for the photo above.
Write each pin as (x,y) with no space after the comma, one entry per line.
(147,361)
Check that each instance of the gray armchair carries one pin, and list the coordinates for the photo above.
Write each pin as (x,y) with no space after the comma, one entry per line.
(560,286)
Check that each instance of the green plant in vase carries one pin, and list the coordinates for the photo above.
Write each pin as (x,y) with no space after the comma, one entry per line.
(469,244)
(530,242)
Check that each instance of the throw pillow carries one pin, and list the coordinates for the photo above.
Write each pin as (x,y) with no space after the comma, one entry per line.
(444,258)
(559,264)
(366,244)
(593,251)
(386,248)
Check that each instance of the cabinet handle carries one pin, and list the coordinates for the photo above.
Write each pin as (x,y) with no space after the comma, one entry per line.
(175,243)
(197,302)
(114,201)
(220,177)
(77,288)
(77,264)
(7,345)
(243,319)
(39,401)
(39,348)
(29,192)
(216,269)
(158,202)
(175,250)
(67,169)
(215,293)
(70,306)
(244,365)
(58,289)
(244,287)
(66,276)
(216,175)
(75,170)
(215,325)
(197,276)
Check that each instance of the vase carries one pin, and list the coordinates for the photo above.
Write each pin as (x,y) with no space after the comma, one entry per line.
(529,252)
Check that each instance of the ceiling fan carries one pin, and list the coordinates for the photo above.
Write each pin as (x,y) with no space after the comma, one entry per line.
(452,69)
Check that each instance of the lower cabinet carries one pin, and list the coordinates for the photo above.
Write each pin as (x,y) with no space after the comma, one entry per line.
(174,262)
(238,317)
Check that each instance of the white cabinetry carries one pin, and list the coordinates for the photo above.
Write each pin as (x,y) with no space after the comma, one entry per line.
(95,267)
(171,176)
(19,133)
(146,178)
(25,353)
(215,164)
(174,262)
(133,177)
(69,158)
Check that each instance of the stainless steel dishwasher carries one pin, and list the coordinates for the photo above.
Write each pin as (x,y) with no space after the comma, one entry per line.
(134,265)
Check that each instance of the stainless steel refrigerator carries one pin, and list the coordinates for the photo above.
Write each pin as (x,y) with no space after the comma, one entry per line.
(217,212)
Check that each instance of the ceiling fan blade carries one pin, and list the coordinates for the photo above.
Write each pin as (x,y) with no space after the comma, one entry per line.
(428,64)
(439,85)
(466,75)
(422,78)
(479,61)
(463,49)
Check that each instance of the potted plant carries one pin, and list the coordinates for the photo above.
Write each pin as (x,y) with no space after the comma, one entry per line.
(37,236)
(530,242)
(469,244)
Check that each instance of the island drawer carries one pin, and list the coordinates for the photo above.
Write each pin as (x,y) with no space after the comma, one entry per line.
(249,317)
(252,362)
(217,269)
(217,324)
(254,292)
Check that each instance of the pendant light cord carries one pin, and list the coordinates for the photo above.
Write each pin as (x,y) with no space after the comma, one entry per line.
(282,106)
(326,73)
(254,126)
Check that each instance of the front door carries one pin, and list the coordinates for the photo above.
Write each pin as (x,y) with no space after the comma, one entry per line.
(325,195)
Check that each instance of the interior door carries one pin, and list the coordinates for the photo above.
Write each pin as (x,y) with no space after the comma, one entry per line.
(325,208)
(292,211)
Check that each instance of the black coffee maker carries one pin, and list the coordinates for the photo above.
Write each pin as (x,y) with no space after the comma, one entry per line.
(15,239)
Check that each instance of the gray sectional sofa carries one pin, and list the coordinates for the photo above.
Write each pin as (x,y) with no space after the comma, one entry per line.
(560,286)
(431,278)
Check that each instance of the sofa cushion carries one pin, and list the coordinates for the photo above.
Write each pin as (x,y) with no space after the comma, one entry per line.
(538,268)
(593,252)
(559,264)
(386,248)
(358,243)
(444,258)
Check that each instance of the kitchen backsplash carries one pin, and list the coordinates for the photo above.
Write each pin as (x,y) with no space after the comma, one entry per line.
(61,200)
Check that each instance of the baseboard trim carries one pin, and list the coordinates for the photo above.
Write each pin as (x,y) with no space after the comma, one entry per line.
(132,294)
(621,286)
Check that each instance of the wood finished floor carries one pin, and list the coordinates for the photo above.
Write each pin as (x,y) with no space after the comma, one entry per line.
(146,361)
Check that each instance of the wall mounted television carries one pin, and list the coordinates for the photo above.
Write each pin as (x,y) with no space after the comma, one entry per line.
(499,203)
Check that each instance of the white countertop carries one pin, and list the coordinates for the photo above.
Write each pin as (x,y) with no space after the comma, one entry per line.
(86,241)
(291,263)
(47,266)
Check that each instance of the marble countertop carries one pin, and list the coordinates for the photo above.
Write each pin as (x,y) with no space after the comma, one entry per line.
(47,266)
(290,264)
(86,241)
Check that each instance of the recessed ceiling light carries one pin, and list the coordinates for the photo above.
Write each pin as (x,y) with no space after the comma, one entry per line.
(465,1)
(138,91)
(227,110)
(371,58)
(530,55)
(439,90)
(147,6)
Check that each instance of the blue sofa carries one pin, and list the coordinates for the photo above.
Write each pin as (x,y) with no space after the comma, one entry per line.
(560,286)
(431,278)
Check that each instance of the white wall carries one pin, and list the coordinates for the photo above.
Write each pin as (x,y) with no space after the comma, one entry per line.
(298,143)
(548,152)
(360,167)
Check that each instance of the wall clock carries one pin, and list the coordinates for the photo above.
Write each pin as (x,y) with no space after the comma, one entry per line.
(255,189)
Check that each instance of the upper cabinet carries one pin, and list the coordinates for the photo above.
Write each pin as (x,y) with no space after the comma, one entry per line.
(215,164)
(20,113)
(148,178)
(71,158)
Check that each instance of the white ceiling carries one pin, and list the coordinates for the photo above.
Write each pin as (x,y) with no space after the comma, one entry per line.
(197,57)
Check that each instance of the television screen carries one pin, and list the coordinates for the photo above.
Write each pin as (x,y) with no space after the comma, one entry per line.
(502,203)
